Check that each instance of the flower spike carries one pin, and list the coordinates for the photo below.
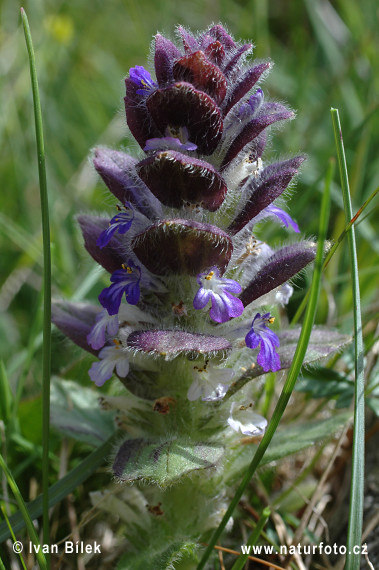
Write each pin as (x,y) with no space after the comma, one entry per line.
(186,239)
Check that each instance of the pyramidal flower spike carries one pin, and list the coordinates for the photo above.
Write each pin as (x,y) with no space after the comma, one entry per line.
(185,321)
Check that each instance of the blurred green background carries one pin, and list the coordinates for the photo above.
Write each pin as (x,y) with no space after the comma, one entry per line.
(325,54)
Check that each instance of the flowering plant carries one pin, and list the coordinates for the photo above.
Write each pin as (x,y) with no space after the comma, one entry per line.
(187,320)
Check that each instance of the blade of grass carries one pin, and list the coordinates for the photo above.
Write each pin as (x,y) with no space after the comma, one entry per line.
(242,559)
(6,397)
(61,488)
(354,534)
(25,514)
(12,534)
(46,280)
(292,373)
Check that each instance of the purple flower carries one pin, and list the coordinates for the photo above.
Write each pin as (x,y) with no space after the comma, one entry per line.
(125,280)
(170,143)
(260,334)
(111,357)
(218,290)
(283,216)
(249,108)
(141,77)
(121,222)
(104,323)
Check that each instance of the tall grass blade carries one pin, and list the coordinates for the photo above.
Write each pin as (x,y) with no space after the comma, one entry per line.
(46,281)
(241,560)
(6,397)
(12,534)
(354,535)
(25,515)
(291,378)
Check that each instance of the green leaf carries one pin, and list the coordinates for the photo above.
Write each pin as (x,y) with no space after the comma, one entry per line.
(373,403)
(326,383)
(288,441)
(75,412)
(163,462)
(164,560)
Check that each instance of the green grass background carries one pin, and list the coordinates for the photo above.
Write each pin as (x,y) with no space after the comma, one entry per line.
(325,54)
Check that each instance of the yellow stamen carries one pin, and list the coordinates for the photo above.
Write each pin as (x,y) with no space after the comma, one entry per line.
(209,276)
(271,320)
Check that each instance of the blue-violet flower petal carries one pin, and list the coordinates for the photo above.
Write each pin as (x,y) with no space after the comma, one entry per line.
(171,143)
(104,323)
(219,291)
(111,357)
(283,216)
(260,334)
(121,223)
(141,77)
(125,280)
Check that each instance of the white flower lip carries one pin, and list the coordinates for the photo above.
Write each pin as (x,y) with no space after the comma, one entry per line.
(244,420)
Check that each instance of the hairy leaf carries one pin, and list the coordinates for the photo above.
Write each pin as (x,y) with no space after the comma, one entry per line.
(75,412)
(163,462)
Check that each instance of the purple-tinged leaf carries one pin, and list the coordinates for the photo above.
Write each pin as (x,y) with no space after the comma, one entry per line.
(175,178)
(215,52)
(244,85)
(172,343)
(231,64)
(254,128)
(113,255)
(117,169)
(181,105)
(264,190)
(279,268)
(182,247)
(75,320)
(165,54)
(137,115)
(202,74)
(219,33)
(189,41)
